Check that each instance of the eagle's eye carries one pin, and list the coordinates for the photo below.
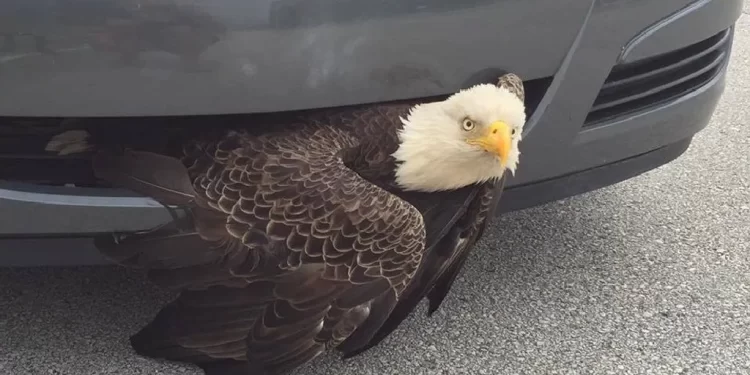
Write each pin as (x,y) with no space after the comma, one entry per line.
(513,131)
(468,125)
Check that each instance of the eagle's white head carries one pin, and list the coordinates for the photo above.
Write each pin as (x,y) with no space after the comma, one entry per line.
(470,137)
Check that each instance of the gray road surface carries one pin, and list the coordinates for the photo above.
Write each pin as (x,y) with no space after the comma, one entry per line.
(651,276)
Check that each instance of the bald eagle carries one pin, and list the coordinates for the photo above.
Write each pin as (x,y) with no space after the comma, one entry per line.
(318,233)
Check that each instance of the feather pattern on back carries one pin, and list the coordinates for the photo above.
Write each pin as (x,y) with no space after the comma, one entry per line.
(295,239)
(290,249)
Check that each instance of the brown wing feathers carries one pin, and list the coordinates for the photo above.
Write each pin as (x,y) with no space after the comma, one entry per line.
(454,222)
(274,214)
(162,177)
(285,250)
(450,223)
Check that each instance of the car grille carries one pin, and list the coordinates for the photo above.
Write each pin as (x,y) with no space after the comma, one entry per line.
(22,140)
(22,155)
(646,83)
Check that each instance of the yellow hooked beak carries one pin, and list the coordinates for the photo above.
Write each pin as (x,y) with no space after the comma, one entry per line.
(495,140)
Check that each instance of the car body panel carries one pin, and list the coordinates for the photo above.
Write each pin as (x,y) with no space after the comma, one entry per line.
(65,211)
(682,28)
(345,53)
(553,143)
(570,50)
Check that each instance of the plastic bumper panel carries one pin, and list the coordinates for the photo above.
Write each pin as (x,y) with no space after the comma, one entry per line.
(26,212)
(556,145)
(555,141)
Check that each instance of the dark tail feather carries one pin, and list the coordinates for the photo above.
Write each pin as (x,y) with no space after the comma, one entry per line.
(440,290)
(170,335)
(150,342)
(379,311)
(161,177)
(165,247)
(155,175)
(155,340)
(231,367)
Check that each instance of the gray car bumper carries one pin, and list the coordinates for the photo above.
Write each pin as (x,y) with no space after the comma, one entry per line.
(620,103)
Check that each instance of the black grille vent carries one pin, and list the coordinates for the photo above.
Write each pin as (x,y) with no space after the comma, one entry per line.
(22,140)
(642,84)
(22,155)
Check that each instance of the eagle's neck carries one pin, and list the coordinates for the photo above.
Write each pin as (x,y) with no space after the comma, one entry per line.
(373,160)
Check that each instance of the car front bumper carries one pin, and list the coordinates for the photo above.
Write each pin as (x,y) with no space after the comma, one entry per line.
(620,103)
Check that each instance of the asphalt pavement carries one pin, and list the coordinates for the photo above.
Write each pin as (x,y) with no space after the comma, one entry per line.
(650,276)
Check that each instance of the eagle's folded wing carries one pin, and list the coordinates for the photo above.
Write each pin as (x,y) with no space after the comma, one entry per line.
(290,253)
